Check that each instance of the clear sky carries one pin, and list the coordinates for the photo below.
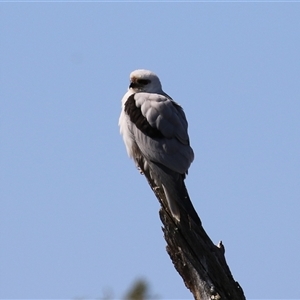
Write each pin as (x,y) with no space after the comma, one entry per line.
(76,217)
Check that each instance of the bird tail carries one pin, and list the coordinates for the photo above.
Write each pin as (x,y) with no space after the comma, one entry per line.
(175,191)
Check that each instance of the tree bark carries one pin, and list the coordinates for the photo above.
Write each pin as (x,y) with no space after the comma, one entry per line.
(200,263)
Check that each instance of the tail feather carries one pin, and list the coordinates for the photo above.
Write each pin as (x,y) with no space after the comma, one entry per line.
(175,191)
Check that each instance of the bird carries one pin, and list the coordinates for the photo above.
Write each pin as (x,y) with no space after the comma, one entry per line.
(155,132)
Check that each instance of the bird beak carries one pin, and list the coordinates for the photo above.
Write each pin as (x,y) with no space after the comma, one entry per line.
(132,85)
(135,85)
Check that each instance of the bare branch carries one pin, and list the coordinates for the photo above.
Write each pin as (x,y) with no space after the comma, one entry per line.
(200,263)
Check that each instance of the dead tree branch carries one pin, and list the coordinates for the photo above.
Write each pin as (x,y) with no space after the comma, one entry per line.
(200,263)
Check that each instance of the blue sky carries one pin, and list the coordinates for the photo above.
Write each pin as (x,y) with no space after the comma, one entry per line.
(76,218)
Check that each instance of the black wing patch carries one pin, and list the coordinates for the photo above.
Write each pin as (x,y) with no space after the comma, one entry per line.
(139,120)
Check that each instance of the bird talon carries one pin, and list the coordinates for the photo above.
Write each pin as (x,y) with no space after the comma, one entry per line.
(140,170)
(156,188)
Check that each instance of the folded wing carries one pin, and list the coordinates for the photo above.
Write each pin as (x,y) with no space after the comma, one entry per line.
(159,127)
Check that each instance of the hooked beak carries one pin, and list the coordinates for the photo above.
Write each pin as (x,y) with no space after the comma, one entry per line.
(134,85)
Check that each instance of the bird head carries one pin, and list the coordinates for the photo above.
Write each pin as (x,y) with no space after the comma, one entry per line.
(144,81)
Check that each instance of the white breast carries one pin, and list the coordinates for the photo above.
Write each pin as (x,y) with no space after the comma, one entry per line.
(126,127)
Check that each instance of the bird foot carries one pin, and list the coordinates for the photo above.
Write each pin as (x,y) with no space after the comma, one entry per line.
(140,170)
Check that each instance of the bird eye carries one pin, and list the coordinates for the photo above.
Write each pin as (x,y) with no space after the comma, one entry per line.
(143,81)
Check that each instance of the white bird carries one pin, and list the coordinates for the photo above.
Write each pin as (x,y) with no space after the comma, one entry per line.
(154,130)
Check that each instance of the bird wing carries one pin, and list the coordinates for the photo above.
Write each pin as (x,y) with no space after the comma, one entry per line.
(159,127)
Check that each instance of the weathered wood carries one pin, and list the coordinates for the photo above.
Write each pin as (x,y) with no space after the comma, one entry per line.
(200,263)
